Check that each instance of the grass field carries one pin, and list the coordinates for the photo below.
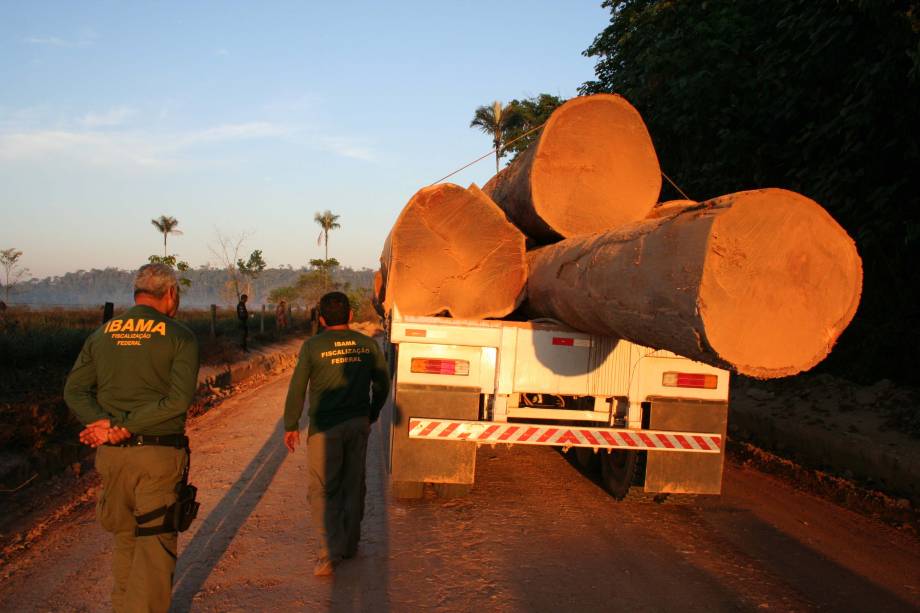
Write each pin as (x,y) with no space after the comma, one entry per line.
(37,349)
(31,338)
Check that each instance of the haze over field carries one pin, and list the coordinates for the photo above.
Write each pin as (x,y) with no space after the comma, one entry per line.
(251,119)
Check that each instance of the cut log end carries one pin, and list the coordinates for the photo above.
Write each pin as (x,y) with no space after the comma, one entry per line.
(592,169)
(780,283)
(595,168)
(452,251)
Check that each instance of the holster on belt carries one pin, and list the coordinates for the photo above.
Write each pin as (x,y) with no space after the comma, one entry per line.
(177,517)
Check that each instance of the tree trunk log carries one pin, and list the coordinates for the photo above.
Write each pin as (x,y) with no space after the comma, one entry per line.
(592,169)
(761,282)
(451,251)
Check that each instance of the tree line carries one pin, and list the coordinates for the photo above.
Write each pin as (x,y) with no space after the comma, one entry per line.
(820,97)
(208,286)
(235,276)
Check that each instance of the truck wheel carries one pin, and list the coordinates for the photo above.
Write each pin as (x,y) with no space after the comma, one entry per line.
(407,489)
(586,459)
(618,468)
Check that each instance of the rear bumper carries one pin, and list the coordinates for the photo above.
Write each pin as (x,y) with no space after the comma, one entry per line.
(486,432)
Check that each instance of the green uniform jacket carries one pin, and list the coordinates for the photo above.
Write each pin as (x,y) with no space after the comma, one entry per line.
(140,370)
(348,378)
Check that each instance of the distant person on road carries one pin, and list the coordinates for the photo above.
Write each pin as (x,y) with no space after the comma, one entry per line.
(131,386)
(349,383)
(242,313)
(281,321)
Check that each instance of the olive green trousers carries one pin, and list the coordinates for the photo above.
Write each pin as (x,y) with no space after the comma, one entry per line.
(337,487)
(137,480)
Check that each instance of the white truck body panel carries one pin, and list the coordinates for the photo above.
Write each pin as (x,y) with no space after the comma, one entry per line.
(507,359)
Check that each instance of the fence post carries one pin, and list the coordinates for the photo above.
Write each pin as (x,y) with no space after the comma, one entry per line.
(262,321)
(213,321)
(108,311)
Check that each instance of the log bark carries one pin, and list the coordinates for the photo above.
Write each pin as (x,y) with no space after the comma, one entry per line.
(669,207)
(452,252)
(592,169)
(761,282)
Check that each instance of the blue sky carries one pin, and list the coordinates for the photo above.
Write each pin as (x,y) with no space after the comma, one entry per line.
(244,117)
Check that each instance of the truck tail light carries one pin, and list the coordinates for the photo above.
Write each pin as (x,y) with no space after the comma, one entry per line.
(689,379)
(434,366)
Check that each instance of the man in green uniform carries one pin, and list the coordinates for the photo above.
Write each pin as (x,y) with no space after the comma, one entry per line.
(349,383)
(131,386)
(242,314)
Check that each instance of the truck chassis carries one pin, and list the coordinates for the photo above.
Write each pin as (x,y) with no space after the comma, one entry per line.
(652,419)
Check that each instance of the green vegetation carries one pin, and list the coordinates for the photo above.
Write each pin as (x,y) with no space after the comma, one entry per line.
(496,121)
(818,97)
(239,273)
(37,350)
(513,127)
(322,278)
(250,269)
(166,226)
(178,265)
(328,222)
(51,338)
(12,271)
(534,112)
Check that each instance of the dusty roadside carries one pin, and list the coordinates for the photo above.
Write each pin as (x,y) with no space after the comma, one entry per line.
(865,434)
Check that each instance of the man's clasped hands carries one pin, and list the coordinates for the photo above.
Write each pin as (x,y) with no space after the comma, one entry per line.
(102,432)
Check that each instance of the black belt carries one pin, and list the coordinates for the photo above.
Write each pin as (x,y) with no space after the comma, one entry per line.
(179,441)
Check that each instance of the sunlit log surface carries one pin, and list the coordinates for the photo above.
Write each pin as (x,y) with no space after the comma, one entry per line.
(762,282)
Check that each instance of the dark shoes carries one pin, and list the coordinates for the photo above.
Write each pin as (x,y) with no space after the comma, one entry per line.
(325,567)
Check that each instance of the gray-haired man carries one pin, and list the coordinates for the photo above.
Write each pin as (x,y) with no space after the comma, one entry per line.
(131,387)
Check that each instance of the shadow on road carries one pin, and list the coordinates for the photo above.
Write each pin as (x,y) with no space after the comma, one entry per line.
(214,536)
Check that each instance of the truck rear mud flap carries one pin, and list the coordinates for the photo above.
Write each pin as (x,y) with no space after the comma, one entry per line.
(485,432)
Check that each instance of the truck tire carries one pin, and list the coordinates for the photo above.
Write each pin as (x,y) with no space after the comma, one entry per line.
(618,469)
(586,459)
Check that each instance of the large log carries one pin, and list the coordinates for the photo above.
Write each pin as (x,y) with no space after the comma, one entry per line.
(592,169)
(452,252)
(761,282)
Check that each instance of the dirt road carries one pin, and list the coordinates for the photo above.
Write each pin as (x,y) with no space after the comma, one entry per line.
(534,535)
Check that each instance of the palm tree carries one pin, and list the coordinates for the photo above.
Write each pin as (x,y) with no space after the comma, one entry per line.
(327,221)
(496,120)
(166,225)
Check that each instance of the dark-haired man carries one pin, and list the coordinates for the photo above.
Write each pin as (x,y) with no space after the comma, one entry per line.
(349,383)
(131,387)
(242,314)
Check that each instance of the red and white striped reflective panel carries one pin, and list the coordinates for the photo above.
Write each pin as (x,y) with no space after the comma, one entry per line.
(565,436)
